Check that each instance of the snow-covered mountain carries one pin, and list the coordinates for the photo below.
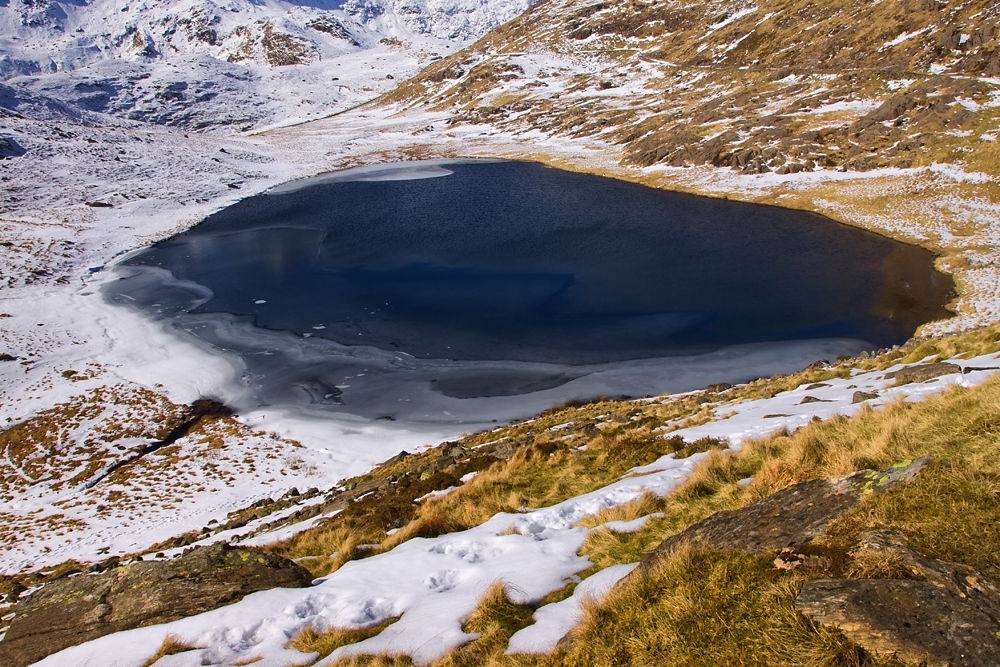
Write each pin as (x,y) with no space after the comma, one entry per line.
(221,63)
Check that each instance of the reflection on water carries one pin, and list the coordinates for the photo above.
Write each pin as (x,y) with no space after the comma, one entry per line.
(515,261)
(488,291)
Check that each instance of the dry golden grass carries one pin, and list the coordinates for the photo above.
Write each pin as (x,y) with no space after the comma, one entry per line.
(705,608)
(326,642)
(542,474)
(323,551)
(877,564)
(646,504)
(172,645)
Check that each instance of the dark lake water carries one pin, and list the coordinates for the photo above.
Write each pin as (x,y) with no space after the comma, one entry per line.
(513,261)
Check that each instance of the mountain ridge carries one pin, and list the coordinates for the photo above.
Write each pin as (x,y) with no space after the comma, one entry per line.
(229,65)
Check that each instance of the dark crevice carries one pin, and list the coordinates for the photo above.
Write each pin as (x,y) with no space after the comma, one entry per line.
(198,410)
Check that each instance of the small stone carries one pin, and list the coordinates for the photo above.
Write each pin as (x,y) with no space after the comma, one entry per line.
(862,396)
(922,372)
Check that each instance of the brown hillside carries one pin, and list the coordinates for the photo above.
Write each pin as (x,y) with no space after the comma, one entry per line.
(780,85)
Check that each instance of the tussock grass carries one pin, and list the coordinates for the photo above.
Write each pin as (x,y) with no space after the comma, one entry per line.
(542,474)
(496,618)
(334,547)
(704,608)
(375,661)
(172,645)
(876,564)
(644,505)
(326,642)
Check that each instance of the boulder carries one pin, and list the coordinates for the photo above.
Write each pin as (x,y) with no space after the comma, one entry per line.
(922,372)
(941,614)
(789,517)
(9,148)
(862,396)
(77,609)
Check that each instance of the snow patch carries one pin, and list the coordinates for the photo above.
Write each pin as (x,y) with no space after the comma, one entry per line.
(554,621)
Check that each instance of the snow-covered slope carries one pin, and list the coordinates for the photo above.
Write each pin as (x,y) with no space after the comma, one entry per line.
(432,585)
(445,19)
(230,63)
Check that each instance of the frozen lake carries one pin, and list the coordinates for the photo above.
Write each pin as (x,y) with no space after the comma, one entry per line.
(475,290)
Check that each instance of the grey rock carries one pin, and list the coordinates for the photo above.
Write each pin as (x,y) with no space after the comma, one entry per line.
(921,622)
(922,372)
(71,611)
(9,147)
(862,396)
(791,516)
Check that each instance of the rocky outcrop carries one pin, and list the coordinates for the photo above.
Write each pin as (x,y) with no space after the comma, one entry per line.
(903,603)
(10,148)
(789,517)
(77,609)
(923,372)
(940,614)
(448,19)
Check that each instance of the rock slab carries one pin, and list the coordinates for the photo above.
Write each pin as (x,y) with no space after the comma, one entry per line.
(71,611)
(789,517)
(942,614)
(922,372)
(914,620)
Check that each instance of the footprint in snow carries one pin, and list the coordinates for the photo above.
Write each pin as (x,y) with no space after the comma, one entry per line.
(441,581)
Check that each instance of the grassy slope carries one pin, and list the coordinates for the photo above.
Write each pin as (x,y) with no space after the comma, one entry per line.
(725,608)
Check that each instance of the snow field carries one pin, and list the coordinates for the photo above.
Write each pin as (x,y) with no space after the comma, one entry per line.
(120,357)
(432,585)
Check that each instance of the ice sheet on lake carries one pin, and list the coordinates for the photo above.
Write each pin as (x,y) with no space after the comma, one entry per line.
(314,378)
(394,171)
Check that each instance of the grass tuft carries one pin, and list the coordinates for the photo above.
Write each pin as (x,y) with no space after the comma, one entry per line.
(172,645)
(704,608)
(327,641)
